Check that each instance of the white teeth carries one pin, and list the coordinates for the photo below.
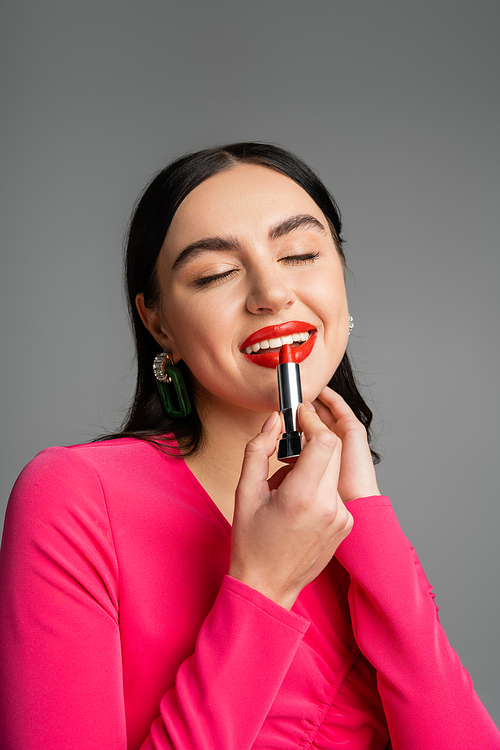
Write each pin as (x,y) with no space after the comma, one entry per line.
(278,342)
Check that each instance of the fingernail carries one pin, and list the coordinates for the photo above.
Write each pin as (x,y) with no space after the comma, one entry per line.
(309,406)
(269,423)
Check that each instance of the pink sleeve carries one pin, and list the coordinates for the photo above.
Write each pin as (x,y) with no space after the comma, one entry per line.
(244,649)
(428,697)
(62,682)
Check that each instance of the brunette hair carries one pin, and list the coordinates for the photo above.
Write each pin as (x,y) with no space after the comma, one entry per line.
(149,224)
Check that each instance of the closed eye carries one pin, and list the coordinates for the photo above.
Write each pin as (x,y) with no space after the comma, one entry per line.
(289,260)
(295,260)
(218,278)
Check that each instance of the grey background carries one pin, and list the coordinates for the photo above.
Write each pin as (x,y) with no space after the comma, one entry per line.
(396,105)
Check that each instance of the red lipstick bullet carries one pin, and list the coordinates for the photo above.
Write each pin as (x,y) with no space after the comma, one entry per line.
(290,395)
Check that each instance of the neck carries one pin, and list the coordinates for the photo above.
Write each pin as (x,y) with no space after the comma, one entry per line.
(217,467)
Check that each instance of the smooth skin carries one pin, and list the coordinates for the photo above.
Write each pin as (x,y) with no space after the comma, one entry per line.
(287,520)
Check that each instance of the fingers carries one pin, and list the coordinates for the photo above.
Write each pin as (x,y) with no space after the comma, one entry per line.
(323,441)
(318,464)
(255,467)
(338,408)
(307,417)
(286,529)
(320,456)
(339,417)
(314,429)
(357,475)
(325,414)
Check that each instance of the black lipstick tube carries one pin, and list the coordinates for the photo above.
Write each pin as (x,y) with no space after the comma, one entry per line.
(290,396)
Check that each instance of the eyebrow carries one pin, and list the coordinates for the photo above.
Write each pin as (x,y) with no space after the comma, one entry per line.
(302,221)
(209,244)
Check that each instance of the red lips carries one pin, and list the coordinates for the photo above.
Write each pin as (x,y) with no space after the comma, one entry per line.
(267,358)
(274,332)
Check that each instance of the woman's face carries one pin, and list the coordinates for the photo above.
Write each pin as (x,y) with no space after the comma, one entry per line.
(248,258)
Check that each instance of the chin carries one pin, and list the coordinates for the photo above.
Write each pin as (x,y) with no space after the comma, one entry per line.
(313,385)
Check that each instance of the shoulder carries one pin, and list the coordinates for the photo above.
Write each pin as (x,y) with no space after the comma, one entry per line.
(60,478)
(59,463)
(57,528)
(109,489)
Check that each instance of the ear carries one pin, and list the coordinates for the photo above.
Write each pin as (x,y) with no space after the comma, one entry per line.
(151,319)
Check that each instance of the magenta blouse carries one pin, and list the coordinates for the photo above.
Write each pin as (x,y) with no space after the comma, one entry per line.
(120,628)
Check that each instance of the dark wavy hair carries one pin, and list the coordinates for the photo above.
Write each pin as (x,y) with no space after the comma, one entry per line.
(148,227)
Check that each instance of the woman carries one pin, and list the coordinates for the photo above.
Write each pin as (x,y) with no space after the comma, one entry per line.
(133,615)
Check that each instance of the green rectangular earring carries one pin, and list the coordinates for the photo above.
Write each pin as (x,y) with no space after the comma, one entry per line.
(171,387)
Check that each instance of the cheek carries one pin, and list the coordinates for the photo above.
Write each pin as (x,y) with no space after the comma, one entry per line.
(202,334)
(206,317)
(331,304)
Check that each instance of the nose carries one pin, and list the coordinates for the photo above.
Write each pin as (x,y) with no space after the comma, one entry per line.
(268,291)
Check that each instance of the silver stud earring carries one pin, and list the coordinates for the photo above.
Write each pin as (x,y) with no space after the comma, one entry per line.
(351,324)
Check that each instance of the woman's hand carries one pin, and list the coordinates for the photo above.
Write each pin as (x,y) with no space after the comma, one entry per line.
(357,476)
(286,530)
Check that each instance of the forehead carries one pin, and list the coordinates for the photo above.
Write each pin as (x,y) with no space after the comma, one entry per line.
(245,199)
